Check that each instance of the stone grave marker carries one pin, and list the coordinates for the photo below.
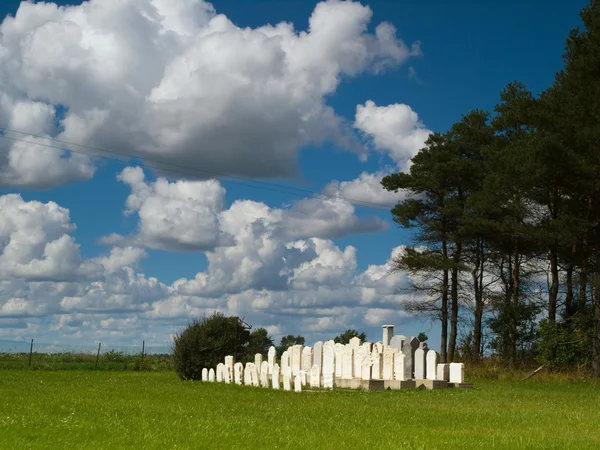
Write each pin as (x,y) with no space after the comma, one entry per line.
(348,362)
(359,356)
(365,366)
(419,363)
(248,374)
(254,373)
(377,365)
(318,355)
(315,377)
(271,356)
(205,374)
(355,342)
(328,360)
(298,383)
(275,376)
(296,359)
(379,346)
(399,370)
(410,346)
(226,377)
(258,359)
(264,374)
(303,377)
(307,359)
(339,356)
(431,365)
(388,363)
(457,373)
(229,364)
(211,375)
(397,342)
(287,382)
(285,362)
(220,367)
(238,371)
(443,372)
(368,346)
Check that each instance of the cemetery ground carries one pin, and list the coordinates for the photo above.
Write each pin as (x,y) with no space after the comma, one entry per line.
(155,410)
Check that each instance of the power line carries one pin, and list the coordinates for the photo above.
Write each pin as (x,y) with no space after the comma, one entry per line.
(178,169)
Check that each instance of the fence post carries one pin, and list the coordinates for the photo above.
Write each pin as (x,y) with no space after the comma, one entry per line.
(143,347)
(30,353)
(98,355)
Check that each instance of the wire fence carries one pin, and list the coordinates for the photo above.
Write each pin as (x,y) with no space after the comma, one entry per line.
(43,356)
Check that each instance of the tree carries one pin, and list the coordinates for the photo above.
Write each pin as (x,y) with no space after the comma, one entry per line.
(288,341)
(422,337)
(205,343)
(259,342)
(344,338)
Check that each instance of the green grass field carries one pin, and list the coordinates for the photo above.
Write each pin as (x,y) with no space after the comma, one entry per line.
(111,410)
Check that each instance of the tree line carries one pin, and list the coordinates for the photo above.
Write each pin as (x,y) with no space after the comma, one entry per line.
(505,209)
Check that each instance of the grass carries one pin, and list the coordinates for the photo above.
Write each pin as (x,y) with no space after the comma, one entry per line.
(154,410)
(110,360)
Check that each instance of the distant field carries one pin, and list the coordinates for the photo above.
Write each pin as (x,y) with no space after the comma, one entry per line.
(110,360)
(111,410)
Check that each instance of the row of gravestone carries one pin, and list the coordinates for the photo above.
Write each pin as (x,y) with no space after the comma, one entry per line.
(403,359)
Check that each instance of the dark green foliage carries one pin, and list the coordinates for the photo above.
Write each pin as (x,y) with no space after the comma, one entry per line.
(344,338)
(259,343)
(206,342)
(422,337)
(288,341)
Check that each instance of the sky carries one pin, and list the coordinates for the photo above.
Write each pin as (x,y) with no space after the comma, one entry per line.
(164,160)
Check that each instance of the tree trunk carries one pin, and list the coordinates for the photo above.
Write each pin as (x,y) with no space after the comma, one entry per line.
(444,308)
(477,275)
(553,292)
(569,293)
(516,290)
(595,366)
(454,299)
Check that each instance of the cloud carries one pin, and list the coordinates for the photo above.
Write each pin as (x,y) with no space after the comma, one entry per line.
(365,189)
(302,286)
(180,83)
(394,129)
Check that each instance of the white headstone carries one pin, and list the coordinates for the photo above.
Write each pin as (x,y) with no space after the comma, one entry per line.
(275,376)
(359,356)
(457,373)
(296,359)
(315,377)
(255,378)
(328,369)
(419,364)
(397,342)
(348,362)
(354,342)
(318,355)
(377,365)
(365,366)
(238,371)
(298,384)
(388,332)
(339,356)
(368,346)
(410,346)
(264,374)
(211,375)
(443,372)
(258,359)
(303,377)
(287,382)
(399,370)
(229,362)
(431,365)
(220,368)
(271,356)
(248,374)
(379,346)
(226,377)
(388,363)
(285,362)
(307,359)
(205,374)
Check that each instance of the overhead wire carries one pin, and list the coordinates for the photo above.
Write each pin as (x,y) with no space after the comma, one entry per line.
(159,164)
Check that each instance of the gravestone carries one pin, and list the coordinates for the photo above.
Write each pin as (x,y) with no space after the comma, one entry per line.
(298,384)
(271,356)
(226,377)
(359,356)
(377,365)
(365,366)
(238,371)
(328,369)
(275,376)
(410,346)
(258,359)
(287,382)
(302,374)
(354,342)
(229,364)
(211,375)
(379,346)
(399,369)
(307,359)
(339,356)
(419,362)
(248,374)
(264,374)
(368,346)
(388,363)
(397,342)
(296,359)
(431,365)
(205,374)
(285,362)
(457,373)
(254,372)
(220,367)
(347,362)
(443,372)
(318,355)
(315,377)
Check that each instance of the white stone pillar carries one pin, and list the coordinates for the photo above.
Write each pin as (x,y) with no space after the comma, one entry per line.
(388,332)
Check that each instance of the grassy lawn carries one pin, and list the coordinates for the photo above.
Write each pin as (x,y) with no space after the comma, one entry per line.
(110,410)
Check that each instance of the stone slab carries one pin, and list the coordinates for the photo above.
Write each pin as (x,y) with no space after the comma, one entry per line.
(395,385)
(372,385)
(347,383)
(431,384)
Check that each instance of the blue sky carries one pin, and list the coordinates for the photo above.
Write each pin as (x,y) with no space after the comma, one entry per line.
(469,51)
